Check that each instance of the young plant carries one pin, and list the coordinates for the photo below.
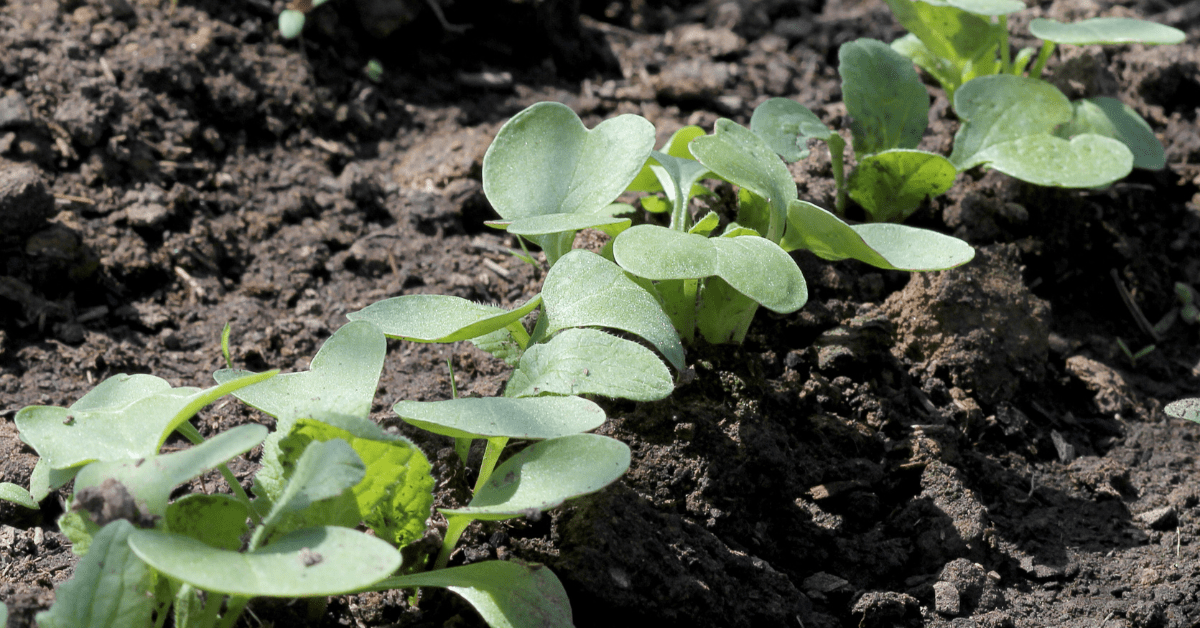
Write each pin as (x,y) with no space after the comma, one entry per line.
(1019,125)
(889,110)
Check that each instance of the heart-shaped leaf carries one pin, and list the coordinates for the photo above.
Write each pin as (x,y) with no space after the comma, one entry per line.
(111,588)
(1112,118)
(1105,30)
(884,245)
(786,126)
(891,185)
(438,318)
(507,594)
(754,266)
(530,418)
(586,290)
(341,378)
(590,362)
(306,563)
(741,157)
(125,417)
(1084,161)
(150,480)
(1002,108)
(888,105)
(546,474)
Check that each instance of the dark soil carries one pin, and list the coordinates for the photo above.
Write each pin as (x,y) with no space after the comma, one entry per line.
(967,448)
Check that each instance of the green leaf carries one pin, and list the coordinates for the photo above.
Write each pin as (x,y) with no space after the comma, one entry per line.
(1105,30)
(888,105)
(547,473)
(1184,409)
(44,479)
(724,314)
(982,7)
(678,177)
(1002,108)
(1112,118)
(396,493)
(439,318)
(786,126)
(507,594)
(676,146)
(755,267)
(111,588)
(741,157)
(586,290)
(1084,161)
(17,495)
(123,417)
(324,471)
(500,344)
(306,563)
(891,185)
(79,530)
(544,161)
(340,380)
(556,223)
(216,520)
(884,245)
(291,22)
(963,43)
(150,480)
(530,418)
(590,362)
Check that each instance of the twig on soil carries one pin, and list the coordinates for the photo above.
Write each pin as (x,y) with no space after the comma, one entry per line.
(1136,311)
(496,268)
(196,288)
(74,199)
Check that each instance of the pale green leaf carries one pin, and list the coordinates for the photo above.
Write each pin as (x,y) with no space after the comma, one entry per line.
(1084,161)
(324,471)
(438,318)
(981,7)
(216,520)
(530,418)
(754,266)
(1184,409)
(786,126)
(590,362)
(741,157)
(1105,30)
(586,290)
(891,185)
(964,43)
(888,105)
(124,417)
(676,146)
(291,22)
(111,588)
(507,594)
(1002,108)
(1112,118)
(17,495)
(884,245)
(547,473)
(306,563)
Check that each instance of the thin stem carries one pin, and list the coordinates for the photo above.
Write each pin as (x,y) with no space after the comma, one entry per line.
(1043,57)
(212,609)
(193,435)
(490,456)
(455,525)
(519,334)
(837,148)
(233,611)
(462,446)
(1005,54)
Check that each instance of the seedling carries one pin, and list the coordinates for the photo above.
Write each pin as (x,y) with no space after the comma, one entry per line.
(1019,125)
(1133,356)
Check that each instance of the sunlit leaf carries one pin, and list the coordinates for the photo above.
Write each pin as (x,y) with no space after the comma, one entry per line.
(590,362)
(530,418)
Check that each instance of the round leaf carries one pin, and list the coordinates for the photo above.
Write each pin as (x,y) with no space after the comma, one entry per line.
(546,474)
(586,290)
(893,184)
(590,362)
(1112,118)
(1002,108)
(888,105)
(754,266)
(544,161)
(306,563)
(1184,409)
(786,126)
(1105,30)
(1084,161)
(531,418)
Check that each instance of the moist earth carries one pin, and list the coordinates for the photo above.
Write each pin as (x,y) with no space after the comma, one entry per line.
(963,448)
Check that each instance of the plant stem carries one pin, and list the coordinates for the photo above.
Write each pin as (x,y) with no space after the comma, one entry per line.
(1005,54)
(233,611)
(462,446)
(1043,57)
(837,148)
(519,334)
(490,456)
(193,435)
(212,608)
(454,529)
